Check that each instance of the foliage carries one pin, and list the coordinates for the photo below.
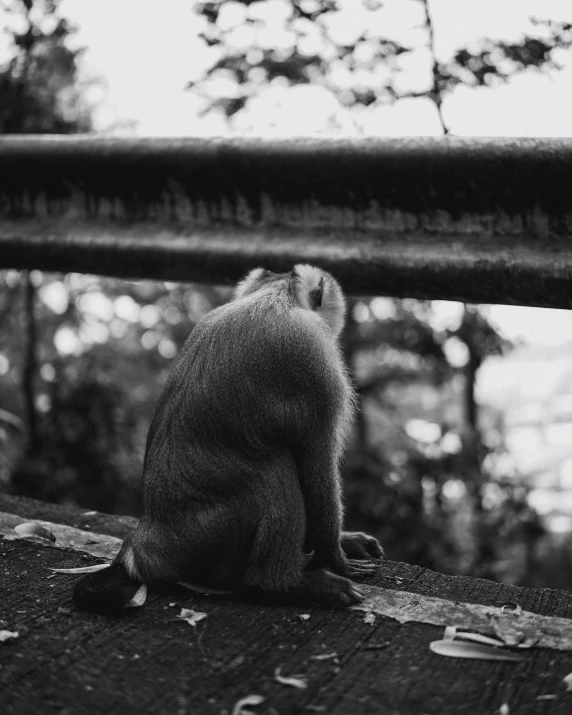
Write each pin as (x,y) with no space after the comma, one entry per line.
(294,42)
(39,84)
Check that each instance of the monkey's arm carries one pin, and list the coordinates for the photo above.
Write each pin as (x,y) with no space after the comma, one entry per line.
(320,483)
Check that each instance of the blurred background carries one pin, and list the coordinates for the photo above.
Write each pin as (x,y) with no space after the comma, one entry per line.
(461,459)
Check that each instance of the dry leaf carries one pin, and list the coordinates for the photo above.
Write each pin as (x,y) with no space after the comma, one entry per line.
(506,631)
(8,636)
(325,656)
(451,633)
(295,681)
(89,513)
(547,697)
(304,616)
(568,682)
(83,569)
(512,608)
(238,709)
(369,618)
(139,598)
(191,617)
(463,649)
(203,589)
(504,709)
(31,529)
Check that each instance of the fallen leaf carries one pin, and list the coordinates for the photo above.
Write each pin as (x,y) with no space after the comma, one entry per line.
(203,589)
(369,618)
(304,616)
(83,569)
(238,709)
(568,682)
(504,709)
(295,681)
(8,636)
(547,697)
(191,617)
(31,529)
(463,649)
(507,631)
(512,608)
(139,598)
(451,633)
(89,513)
(325,656)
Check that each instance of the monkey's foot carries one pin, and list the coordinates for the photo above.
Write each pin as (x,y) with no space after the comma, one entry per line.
(335,590)
(357,545)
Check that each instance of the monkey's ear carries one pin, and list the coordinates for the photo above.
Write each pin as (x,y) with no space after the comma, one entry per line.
(316,294)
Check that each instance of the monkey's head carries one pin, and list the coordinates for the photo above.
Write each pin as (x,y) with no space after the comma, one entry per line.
(310,287)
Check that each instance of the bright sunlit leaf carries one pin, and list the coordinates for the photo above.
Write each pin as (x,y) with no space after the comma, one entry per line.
(191,617)
(83,569)
(31,529)
(8,636)
(294,681)
(477,651)
(249,700)
(139,598)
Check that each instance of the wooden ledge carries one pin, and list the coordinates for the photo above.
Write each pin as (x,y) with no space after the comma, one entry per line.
(152,662)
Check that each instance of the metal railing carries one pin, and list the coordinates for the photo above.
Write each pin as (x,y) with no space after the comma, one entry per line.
(478,220)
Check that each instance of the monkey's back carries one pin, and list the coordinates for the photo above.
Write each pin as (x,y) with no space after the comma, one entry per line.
(251,381)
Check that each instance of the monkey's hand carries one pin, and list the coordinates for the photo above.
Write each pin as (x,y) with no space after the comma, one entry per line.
(353,568)
(357,545)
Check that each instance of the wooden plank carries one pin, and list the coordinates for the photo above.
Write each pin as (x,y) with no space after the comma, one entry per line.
(480,220)
(152,662)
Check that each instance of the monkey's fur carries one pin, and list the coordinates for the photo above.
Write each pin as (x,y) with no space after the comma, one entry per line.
(241,484)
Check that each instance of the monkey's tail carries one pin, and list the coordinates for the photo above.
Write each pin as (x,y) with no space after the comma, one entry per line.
(109,591)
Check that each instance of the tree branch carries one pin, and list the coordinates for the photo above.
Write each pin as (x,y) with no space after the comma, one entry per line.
(435,94)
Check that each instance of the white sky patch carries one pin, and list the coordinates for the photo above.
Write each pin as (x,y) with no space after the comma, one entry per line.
(542,326)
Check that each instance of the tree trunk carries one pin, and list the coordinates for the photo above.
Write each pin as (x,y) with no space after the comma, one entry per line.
(30,364)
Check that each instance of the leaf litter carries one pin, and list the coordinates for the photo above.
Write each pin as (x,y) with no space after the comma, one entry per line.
(192,617)
(83,569)
(139,598)
(29,529)
(294,681)
(249,700)
(514,626)
(8,636)
(460,644)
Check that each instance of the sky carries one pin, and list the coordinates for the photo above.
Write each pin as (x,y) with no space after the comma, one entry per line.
(144,52)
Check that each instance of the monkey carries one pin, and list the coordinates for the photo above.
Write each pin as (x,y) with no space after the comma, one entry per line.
(241,475)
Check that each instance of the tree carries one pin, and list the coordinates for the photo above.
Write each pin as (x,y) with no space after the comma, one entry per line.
(39,84)
(41,94)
